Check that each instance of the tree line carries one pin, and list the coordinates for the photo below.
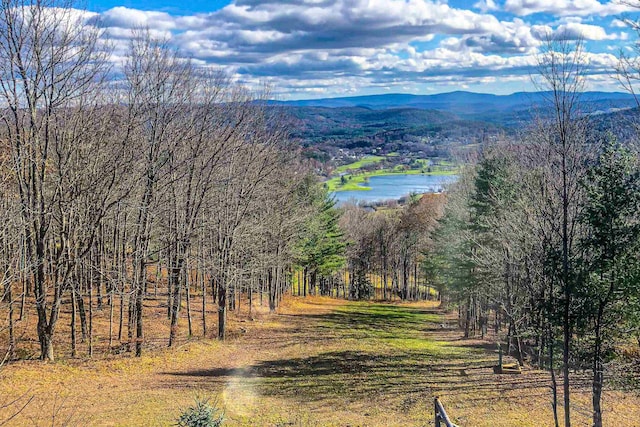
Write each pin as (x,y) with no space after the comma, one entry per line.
(537,243)
(541,237)
(385,248)
(161,179)
(153,179)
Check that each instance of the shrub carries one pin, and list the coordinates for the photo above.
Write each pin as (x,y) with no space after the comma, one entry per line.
(202,414)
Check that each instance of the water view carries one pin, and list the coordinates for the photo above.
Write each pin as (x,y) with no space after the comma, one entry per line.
(393,187)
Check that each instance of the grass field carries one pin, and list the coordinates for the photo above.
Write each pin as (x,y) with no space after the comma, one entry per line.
(319,362)
(368,160)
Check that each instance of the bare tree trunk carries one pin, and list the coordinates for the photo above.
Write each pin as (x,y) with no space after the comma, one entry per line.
(176,287)
(187,285)
(132,315)
(12,337)
(73,322)
(203,284)
(45,333)
(111,306)
(91,316)
(305,279)
(23,298)
(222,310)
(554,383)
(598,371)
(271,278)
(81,308)
(121,317)
(251,296)
(467,320)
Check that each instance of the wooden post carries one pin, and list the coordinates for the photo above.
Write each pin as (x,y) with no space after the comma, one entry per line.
(441,415)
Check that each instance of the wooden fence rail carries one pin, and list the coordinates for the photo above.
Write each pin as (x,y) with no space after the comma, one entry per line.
(441,416)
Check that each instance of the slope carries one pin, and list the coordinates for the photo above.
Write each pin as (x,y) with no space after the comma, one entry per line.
(320,362)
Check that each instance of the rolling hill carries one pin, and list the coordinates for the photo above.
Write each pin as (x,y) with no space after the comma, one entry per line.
(434,125)
(500,109)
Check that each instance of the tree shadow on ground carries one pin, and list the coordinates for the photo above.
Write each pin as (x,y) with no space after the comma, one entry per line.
(384,370)
(358,376)
(363,321)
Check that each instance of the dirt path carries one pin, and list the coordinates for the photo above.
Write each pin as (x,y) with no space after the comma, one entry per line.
(320,362)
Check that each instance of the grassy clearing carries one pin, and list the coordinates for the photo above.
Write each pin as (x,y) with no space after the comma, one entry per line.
(365,161)
(319,362)
(354,183)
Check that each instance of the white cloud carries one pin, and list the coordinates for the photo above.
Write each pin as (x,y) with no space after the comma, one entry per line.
(583,31)
(123,17)
(566,7)
(486,6)
(311,45)
(618,23)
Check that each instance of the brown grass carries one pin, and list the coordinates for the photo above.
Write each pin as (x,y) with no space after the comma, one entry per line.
(318,362)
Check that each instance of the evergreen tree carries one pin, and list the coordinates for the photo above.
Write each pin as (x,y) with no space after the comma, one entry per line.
(611,267)
(321,250)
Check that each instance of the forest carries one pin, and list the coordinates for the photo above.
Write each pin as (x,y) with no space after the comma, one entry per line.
(175,173)
(143,206)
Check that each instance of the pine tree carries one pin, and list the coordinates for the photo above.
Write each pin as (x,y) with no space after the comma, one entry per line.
(611,267)
(321,250)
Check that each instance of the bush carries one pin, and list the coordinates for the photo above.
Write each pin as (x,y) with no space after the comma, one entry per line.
(201,415)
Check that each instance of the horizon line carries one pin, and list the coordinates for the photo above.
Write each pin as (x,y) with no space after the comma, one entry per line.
(440,93)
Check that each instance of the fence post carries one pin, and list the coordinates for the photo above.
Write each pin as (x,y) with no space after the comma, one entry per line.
(441,415)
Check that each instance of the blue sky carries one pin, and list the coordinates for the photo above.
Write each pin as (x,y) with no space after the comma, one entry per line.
(324,48)
(179,8)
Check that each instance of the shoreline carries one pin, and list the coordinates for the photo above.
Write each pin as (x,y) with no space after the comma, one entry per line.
(353,184)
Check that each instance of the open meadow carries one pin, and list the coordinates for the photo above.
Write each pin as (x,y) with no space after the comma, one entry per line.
(318,362)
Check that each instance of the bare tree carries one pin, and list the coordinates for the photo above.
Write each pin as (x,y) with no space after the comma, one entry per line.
(49,62)
(10,239)
(192,167)
(562,68)
(250,157)
(159,91)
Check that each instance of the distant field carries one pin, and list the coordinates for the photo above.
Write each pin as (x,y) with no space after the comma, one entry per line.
(368,160)
(319,362)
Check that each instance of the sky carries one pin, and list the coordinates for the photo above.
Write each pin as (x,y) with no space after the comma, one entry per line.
(326,48)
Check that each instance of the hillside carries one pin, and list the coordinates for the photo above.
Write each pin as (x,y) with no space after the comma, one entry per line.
(319,362)
(441,125)
(362,130)
(470,105)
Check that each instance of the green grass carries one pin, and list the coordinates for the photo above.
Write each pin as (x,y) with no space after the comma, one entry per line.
(372,346)
(357,177)
(381,364)
(352,184)
(368,160)
(445,163)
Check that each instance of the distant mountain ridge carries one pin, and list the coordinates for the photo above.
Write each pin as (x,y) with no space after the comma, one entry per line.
(470,105)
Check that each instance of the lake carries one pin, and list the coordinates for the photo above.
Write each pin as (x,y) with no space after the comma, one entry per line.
(393,187)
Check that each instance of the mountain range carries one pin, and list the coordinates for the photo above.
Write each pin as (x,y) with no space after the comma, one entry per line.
(500,109)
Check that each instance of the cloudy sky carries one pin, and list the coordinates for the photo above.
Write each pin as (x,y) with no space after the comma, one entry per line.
(322,48)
